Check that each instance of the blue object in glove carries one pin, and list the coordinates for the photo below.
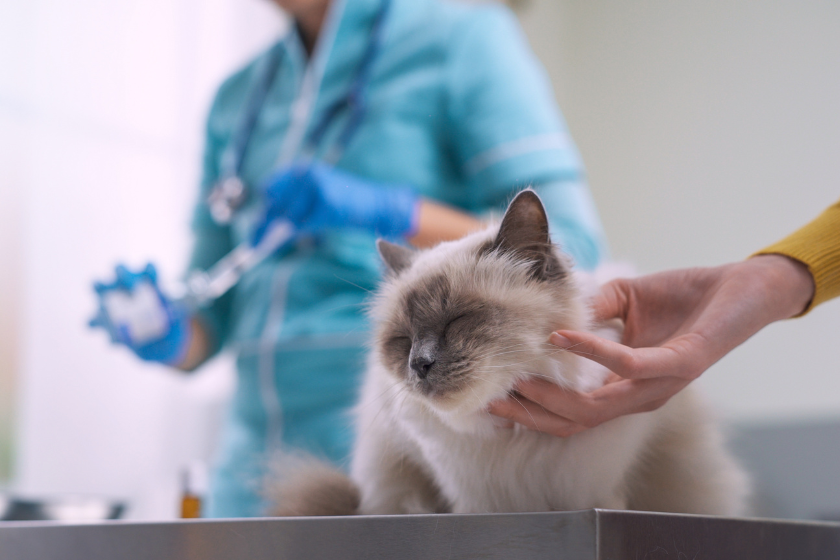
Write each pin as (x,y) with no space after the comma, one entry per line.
(316,197)
(137,314)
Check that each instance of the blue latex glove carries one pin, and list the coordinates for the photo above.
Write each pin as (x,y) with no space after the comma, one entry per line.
(316,197)
(137,314)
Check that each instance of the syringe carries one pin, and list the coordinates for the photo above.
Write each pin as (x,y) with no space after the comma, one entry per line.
(141,312)
(205,286)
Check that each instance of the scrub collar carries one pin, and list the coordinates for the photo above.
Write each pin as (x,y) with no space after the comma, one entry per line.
(341,42)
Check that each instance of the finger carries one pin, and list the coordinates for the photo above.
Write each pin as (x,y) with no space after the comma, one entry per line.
(615,398)
(300,208)
(259,231)
(125,279)
(634,396)
(570,405)
(97,321)
(123,336)
(630,363)
(612,378)
(287,187)
(534,417)
(611,301)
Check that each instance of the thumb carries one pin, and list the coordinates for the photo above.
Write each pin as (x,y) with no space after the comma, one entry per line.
(612,301)
(260,229)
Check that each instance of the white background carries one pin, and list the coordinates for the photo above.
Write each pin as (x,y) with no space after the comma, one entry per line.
(102,106)
(709,130)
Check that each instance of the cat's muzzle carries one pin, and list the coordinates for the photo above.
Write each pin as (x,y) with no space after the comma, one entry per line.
(423,357)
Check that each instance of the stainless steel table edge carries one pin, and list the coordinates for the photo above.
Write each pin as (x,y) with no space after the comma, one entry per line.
(492,536)
(582,535)
(631,535)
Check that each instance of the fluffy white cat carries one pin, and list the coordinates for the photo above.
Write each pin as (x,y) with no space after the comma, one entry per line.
(456,327)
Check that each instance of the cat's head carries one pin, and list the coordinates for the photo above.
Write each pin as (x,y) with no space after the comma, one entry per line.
(460,323)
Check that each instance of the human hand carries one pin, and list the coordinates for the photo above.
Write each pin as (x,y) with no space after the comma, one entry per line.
(136,313)
(316,197)
(676,325)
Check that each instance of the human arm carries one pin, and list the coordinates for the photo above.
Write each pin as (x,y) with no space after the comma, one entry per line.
(438,222)
(817,246)
(678,323)
(315,197)
(199,348)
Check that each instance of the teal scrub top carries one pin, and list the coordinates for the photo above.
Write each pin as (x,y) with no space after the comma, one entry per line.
(458,108)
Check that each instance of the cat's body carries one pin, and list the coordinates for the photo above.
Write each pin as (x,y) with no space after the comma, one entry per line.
(409,461)
(457,327)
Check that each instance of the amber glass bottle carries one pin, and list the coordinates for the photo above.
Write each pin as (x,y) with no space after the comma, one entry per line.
(193,486)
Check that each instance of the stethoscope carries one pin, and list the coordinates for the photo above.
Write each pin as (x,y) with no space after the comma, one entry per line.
(230,192)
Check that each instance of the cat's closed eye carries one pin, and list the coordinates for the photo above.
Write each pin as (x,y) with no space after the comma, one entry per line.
(400,343)
(459,320)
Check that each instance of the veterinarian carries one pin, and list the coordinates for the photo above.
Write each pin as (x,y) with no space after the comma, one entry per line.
(405,119)
(679,323)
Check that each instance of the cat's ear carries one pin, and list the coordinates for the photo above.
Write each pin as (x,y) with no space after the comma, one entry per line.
(397,257)
(524,234)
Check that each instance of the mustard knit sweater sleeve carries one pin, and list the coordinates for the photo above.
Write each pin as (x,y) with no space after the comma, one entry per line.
(817,246)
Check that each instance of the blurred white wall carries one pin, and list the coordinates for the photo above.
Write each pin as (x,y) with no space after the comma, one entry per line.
(709,130)
(10,284)
(102,104)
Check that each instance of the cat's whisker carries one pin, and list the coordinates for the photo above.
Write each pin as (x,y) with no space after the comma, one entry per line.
(547,354)
(354,284)
(379,396)
(510,345)
(340,307)
(526,410)
(506,350)
(393,397)
(580,352)
(497,354)
(399,411)
(566,347)
(549,377)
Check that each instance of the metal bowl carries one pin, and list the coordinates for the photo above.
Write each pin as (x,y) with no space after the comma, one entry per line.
(74,509)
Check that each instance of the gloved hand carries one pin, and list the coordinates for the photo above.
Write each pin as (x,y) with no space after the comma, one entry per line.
(137,314)
(316,197)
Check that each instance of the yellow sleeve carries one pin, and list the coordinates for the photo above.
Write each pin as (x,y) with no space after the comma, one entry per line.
(817,246)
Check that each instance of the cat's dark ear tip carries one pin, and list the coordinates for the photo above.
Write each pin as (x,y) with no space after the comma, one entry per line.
(527,207)
(527,193)
(396,257)
(527,197)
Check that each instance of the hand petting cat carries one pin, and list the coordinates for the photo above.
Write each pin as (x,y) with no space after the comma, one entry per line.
(677,324)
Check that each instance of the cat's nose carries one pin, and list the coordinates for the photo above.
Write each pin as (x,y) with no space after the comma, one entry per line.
(421,365)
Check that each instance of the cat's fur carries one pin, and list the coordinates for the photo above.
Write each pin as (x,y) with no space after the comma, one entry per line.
(456,327)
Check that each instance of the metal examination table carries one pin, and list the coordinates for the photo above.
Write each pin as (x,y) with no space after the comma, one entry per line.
(583,535)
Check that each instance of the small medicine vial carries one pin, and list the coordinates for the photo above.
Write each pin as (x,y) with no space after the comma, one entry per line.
(193,489)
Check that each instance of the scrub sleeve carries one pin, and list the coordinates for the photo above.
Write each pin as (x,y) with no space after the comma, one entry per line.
(508,134)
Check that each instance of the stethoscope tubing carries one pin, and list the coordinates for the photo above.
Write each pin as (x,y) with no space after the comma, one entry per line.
(355,101)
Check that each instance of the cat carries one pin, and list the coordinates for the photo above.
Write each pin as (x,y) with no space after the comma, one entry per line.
(456,326)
